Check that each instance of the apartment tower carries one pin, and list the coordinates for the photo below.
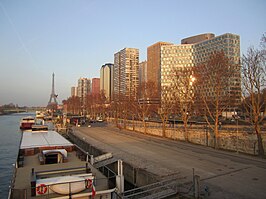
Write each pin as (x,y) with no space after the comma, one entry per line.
(84,88)
(73,91)
(126,73)
(142,72)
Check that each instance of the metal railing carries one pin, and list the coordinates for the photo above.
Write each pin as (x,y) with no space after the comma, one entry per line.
(46,191)
(160,189)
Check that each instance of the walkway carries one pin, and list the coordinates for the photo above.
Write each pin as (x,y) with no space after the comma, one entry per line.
(227,175)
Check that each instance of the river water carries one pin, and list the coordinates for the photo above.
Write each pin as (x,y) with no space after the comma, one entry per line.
(10,136)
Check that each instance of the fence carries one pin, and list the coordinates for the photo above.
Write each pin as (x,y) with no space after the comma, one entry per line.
(233,138)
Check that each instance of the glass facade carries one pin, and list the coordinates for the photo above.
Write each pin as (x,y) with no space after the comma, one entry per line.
(175,58)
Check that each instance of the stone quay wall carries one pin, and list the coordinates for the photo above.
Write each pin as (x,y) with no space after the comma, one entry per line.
(231,137)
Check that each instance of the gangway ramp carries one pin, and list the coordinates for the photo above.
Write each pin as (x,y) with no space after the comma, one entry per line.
(105,162)
(156,190)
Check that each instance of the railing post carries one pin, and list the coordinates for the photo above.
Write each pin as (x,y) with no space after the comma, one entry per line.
(120,177)
(87,156)
(69,190)
(88,169)
(33,183)
(197,187)
(91,159)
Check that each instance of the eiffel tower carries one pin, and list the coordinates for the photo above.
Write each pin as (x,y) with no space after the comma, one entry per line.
(52,104)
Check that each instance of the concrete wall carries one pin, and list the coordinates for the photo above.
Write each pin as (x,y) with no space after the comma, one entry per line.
(231,138)
(136,176)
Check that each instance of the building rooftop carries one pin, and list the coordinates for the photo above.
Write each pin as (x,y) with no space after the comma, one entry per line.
(43,139)
(197,38)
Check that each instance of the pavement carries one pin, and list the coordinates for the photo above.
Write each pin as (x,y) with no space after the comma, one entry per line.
(224,174)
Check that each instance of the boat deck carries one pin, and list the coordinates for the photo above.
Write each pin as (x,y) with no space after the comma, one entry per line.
(23,174)
(30,159)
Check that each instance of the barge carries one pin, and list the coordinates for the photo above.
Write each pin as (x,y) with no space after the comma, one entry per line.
(49,166)
(27,122)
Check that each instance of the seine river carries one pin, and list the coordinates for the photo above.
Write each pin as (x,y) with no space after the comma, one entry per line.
(9,144)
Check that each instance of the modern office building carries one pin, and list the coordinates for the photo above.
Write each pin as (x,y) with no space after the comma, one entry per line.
(126,73)
(230,45)
(171,59)
(106,80)
(73,91)
(174,59)
(154,65)
(84,88)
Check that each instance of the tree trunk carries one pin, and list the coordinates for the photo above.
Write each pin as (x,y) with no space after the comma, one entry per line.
(163,128)
(144,125)
(133,123)
(260,143)
(216,133)
(186,130)
(124,121)
(116,119)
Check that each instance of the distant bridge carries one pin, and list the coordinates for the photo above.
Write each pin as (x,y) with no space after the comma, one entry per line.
(21,110)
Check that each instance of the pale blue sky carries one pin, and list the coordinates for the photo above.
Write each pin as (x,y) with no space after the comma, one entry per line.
(74,39)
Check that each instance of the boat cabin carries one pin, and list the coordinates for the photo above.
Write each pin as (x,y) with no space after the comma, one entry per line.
(39,127)
(53,156)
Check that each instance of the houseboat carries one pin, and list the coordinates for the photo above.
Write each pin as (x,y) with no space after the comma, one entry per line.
(39,114)
(49,166)
(27,122)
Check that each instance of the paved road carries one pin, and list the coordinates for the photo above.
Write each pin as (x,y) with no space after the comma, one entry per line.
(227,175)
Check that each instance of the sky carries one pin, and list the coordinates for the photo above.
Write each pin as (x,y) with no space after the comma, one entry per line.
(74,39)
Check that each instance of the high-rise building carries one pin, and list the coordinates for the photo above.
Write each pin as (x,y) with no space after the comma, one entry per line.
(143,72)
(84,88)
(142,76)
(174,58)
(126,73)
(106,79)
(95,86)
(73,91)
(154,65)
(194,51)
(230,45)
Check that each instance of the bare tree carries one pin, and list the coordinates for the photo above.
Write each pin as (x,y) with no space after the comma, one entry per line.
(95,104)
(115,109)
(145,104)
(254,81)
(183,90)
(120,109)
(214,80)
(101,102)
(90,106)
(166,106)
(73,105)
